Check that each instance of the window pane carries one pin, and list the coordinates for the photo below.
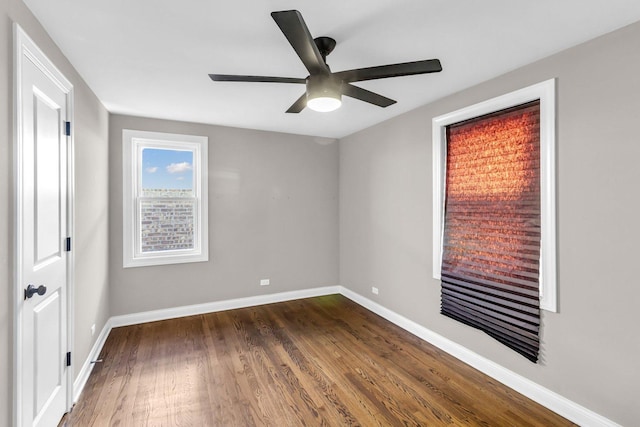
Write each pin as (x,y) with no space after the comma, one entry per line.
(167,224)
(167,173)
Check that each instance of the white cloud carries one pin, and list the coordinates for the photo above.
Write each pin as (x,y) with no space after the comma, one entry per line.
(180,178)
(152,169)
(179,167)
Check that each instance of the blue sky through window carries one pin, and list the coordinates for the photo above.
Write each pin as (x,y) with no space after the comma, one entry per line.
(167,169)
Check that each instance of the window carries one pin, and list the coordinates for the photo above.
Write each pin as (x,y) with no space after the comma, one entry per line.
(165,198)
(494,215)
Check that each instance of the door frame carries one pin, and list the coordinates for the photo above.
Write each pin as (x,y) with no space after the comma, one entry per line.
(26,50)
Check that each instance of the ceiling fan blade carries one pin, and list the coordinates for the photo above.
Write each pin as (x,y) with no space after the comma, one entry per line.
(366,95)
(263,79)
(299,104)
(295,30)
(392,70)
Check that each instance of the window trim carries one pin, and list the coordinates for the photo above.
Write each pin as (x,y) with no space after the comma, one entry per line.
(545,92)
(132,143)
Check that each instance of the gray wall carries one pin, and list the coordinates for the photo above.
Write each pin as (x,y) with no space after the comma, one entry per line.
(91,200)
(273,213)
(590,348)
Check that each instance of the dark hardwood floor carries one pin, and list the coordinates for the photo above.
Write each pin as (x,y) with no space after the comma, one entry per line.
(322,361)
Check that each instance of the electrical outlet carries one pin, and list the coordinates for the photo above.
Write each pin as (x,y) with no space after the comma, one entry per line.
(93,329)
(264,282)
(374,290)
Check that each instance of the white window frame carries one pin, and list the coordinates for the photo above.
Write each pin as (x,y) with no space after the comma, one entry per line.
(545,92)
(133,142)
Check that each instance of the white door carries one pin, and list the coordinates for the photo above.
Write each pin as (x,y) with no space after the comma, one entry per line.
(43,104)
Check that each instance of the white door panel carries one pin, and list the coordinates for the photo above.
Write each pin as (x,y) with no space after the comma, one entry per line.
(47,351)
(48,198)
(43,152)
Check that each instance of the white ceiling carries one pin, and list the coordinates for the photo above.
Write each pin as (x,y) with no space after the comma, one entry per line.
(152,57)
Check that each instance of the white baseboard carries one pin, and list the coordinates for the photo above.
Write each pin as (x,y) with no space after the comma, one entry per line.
(212,307)
(87,366)
(547,398)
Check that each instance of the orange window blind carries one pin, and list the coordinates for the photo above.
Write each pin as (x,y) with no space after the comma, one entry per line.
(491,244)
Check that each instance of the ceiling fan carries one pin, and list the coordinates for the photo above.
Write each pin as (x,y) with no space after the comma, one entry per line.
(324,89)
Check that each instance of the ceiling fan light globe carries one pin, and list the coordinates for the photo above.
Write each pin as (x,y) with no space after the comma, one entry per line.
(324,104)
(323,93)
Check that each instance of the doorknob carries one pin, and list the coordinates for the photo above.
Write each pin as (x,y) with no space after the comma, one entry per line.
(32,290)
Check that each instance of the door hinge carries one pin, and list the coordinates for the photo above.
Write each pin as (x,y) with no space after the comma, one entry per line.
(67,128)
(67,244)
(69,358)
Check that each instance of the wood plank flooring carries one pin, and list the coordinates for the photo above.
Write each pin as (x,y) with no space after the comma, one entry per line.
(321,361)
